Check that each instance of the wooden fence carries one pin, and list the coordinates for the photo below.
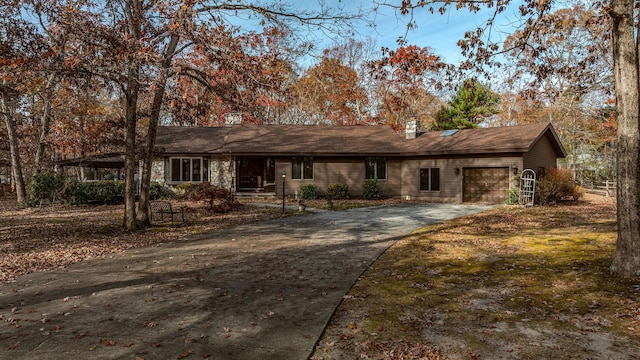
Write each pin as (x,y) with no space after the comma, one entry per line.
(605,188)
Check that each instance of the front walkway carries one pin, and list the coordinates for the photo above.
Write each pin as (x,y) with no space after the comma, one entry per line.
(257,291)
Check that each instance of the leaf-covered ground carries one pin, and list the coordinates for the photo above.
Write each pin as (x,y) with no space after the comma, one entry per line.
(35,239)
(41,238)
(512,283)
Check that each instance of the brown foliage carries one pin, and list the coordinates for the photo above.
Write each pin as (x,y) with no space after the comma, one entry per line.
(408,80)
(217,198)
(331,91)
(557,185)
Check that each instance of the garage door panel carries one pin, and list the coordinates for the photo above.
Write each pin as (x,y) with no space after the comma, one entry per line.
(486,185)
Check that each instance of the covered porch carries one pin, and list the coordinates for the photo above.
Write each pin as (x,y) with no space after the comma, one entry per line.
(100,167)
(255,174)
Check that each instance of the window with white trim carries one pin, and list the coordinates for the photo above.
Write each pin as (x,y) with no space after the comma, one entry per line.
(376,168)
(189,169)
(302,168)
(430,179)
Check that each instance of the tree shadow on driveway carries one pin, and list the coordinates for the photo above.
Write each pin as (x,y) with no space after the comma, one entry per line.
(264,290)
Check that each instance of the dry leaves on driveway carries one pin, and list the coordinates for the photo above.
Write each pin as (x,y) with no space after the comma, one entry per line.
(36,239)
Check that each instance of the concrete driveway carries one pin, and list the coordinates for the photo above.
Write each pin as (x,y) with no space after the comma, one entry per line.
(257,291)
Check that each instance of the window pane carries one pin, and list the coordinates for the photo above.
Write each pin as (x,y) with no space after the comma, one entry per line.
(186,169)
(424,179)
(205,170)
(195,173)
(175,169)
(296,169)
(370,171)
(307,172)
(435,179)
(381,171)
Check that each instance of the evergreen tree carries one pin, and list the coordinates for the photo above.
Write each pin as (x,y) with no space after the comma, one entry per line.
(472,103)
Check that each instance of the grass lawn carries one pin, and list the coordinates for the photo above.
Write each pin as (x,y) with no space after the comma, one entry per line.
(512,283)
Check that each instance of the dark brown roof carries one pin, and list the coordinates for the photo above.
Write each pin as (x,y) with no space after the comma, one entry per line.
(280,140)
(507,139)
(104,161)
(304,140)
(314,140)
(190,140)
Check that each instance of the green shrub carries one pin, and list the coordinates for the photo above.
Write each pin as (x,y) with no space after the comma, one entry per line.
(512,197)
(309,192)
(556,185)
(73,193)
(338,191)
(45,187)
(371,189)
(96,192)
(158,192)
(219,199)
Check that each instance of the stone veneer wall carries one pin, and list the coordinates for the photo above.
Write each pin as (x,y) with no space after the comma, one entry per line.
(157,171)
(222,170)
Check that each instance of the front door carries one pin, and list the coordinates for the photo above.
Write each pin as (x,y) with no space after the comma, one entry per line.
(250,173)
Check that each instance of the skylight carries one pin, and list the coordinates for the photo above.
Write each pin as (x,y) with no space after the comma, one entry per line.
(449,132)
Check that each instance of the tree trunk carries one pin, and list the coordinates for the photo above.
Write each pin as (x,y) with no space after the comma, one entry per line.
(154,119)
(131,89)
(16,162)
(45,125)
(626,262)
(130,168)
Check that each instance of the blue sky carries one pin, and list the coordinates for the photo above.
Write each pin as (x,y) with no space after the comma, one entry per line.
(440,32)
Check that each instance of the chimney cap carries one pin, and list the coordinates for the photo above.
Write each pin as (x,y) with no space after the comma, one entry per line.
(233,118)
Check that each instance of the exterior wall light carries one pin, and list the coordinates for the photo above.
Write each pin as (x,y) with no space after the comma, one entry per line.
(284,176)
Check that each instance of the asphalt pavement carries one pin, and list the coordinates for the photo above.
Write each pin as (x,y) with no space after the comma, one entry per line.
(257,291)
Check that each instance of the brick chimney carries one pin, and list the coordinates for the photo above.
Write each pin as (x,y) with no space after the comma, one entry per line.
(231,119)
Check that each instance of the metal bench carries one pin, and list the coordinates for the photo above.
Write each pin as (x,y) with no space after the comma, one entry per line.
(163,208)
